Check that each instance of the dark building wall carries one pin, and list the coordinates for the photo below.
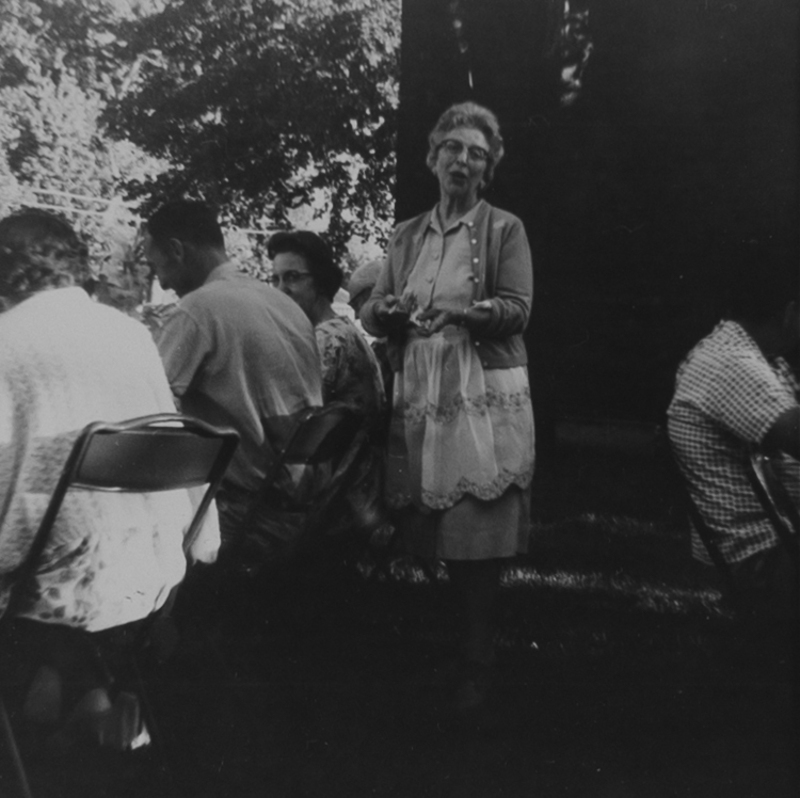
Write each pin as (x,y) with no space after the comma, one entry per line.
(683,138)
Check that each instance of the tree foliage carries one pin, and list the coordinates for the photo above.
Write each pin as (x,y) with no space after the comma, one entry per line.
(60,63)
(262,106)
(52,37)
(48,93)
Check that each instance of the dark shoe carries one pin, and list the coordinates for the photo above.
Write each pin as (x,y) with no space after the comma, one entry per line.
(123,729)
(81,728)
(96,722)
(476,708)
(43,701)
(473,688)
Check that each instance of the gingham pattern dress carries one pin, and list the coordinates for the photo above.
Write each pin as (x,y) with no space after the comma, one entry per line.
(727,397)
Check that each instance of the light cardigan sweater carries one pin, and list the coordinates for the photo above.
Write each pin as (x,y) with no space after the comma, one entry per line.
(112,558)
(502,272)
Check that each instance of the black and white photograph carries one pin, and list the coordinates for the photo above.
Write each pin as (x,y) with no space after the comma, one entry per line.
(399,398)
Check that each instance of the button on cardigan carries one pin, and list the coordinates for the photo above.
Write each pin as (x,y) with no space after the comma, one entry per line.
(503,273)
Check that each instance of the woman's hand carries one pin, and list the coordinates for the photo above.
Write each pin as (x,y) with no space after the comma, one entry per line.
(432,320)
(391,315)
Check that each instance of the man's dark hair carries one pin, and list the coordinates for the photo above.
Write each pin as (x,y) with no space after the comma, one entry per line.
(761,279)
(190,221)
(39,250)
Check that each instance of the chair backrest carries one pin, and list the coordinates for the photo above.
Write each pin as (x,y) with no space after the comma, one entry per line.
(328,439)
(706,534)
(164,451)
(775,499)
(709,538)
(321,435)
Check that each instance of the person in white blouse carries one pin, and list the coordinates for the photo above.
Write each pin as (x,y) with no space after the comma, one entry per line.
(67,361)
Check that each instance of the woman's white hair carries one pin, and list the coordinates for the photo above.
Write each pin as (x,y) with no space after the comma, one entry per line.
(472,115)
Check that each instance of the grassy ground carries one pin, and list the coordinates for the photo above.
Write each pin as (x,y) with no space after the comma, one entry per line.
(622,674)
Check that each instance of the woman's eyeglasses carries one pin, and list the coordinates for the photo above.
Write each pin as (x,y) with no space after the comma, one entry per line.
(454,148)
(288,278)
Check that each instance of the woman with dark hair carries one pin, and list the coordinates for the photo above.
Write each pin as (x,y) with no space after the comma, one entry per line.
(454,300)
(303,268)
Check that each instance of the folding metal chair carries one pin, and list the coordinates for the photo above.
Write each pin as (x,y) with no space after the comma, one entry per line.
(777,504)
(709,538)
(707,535)
(327,442)
(165,451)
(776,501)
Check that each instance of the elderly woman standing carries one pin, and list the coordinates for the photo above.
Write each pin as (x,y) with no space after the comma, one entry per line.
(454,301)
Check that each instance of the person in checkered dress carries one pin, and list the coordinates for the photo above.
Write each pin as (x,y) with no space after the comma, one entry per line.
(736,394)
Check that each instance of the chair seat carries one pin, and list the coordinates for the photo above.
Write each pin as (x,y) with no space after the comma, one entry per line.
(160,452)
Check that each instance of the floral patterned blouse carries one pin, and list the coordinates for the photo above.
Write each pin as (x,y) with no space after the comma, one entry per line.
(350,370)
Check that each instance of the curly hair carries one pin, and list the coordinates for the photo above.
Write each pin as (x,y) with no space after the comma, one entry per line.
(472,115)
(39,250)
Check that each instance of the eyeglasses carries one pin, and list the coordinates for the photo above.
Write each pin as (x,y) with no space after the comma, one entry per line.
(288,278)
(454,148)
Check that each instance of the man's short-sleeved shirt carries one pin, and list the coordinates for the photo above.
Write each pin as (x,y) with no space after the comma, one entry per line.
(239,352)
(727,397)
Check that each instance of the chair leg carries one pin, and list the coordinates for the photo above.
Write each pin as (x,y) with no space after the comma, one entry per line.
(158,741)
(11,742)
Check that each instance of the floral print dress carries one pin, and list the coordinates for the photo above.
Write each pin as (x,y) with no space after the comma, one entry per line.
(351,374)
(350,370)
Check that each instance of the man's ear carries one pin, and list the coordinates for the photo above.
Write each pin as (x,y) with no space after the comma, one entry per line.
(176,249)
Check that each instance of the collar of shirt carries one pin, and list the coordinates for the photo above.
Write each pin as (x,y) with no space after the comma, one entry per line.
(225,271)
(728,334)
(468,219)
(53,299)
(731,333)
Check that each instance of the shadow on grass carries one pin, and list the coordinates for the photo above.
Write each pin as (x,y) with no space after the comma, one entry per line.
(620,676)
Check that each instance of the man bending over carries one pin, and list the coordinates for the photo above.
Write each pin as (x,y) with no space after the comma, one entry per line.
(236,351)
(735,394)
